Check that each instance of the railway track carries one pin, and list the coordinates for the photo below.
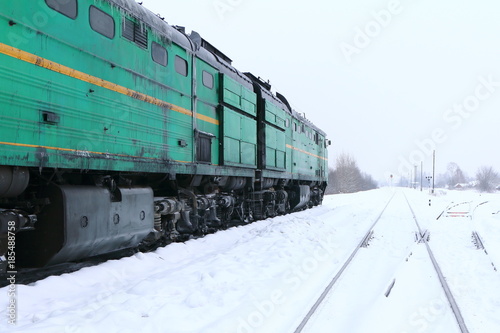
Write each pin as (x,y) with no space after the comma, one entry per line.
(466,210)
(451,299)
(363,243)
(385,267)
(478,242)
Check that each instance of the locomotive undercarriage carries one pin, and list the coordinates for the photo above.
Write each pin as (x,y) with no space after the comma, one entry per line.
(57,216)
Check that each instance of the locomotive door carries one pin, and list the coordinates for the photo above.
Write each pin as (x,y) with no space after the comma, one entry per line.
(206,120)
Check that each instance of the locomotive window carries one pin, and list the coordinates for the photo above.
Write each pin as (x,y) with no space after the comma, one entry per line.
(208,80)
(159,54)
(135,32)
(68,8)
(181,66)
(101,22)
(287,122)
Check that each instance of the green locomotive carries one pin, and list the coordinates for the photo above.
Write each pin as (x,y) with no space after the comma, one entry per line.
(117,129)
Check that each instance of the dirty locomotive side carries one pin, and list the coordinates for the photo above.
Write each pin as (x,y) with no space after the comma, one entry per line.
(119,130)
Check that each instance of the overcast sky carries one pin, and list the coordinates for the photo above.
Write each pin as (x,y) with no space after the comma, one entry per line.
(388,81)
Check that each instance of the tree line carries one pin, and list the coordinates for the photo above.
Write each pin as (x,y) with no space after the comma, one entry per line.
(486,178)
(347,177)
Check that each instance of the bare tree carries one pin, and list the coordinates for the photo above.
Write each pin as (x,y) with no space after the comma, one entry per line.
(367,182)
(347,174)
(455,175)
(487,179)
(347,177)
(404,181)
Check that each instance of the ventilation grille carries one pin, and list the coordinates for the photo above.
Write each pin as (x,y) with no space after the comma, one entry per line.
(135,32)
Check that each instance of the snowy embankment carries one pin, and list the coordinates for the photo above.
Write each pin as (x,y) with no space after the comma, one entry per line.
(262,277)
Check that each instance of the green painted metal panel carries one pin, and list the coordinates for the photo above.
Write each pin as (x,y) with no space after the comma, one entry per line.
(275,147)
(280,140)
(275,115)
(270,157)
(300,157)
(231,98)
(232,124)
(248,106)
(54,120)
(248,101)
(204,91)
(248,153)
(238,96)
(281,159)
(308,156)
(210,111)
(232,151)
(207,92)
(288,143)
(248,130)
(240,139)
(61,120)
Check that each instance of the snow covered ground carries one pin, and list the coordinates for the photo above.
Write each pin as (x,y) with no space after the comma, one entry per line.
(264,277)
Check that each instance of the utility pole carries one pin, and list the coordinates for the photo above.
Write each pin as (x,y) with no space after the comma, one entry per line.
(421,174)
(433,169)
(415,178)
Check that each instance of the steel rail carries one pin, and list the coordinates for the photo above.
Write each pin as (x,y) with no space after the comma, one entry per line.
(444,284)
(323,295)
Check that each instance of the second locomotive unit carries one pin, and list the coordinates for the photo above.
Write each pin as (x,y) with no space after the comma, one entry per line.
(117,129)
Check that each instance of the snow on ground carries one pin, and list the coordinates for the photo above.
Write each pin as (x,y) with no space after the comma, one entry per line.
(391,265)
(264,277)
(472,274)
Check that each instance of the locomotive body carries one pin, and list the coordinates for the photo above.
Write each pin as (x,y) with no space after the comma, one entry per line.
(117,129)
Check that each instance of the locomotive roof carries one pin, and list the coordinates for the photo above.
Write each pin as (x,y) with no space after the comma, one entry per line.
(154,21)
(193,43)
(265,88)
(177,35)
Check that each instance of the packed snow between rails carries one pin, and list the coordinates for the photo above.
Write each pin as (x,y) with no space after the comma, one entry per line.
(265,276)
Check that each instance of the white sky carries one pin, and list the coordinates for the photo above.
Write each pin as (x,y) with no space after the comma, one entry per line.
(376,96)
